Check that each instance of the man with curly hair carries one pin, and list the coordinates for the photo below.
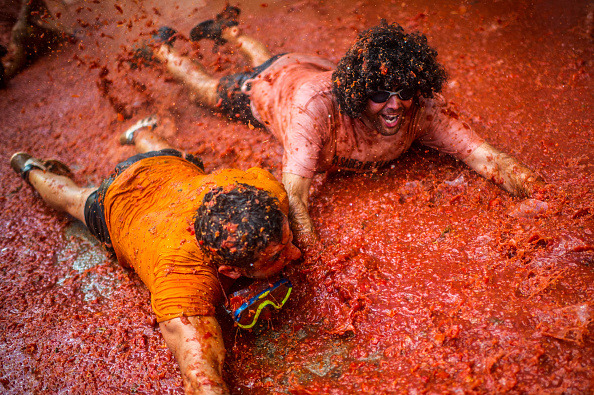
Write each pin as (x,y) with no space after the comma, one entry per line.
(187,235)
(357,116)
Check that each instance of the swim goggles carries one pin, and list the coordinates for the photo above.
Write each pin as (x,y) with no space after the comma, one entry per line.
(246,305)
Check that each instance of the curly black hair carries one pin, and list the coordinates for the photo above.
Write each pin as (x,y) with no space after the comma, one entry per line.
(233,227)
(385,58)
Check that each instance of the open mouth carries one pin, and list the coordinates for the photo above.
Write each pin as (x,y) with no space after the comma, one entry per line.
(391,120)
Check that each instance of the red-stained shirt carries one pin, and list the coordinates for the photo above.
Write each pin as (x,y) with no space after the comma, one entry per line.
(293,98)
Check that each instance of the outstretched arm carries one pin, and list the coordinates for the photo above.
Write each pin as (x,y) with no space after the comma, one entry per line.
(298,192)
(447,133)
(503,170)
(197,344)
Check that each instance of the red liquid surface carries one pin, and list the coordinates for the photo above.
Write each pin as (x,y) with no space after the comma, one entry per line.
(433,279)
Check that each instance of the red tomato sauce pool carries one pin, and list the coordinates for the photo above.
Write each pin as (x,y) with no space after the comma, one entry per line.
(432,280)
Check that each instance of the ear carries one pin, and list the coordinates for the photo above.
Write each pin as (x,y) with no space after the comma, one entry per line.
(230,271)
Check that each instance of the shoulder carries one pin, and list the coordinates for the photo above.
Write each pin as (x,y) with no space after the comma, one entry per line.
(434,111)
(436,103)
(315,91)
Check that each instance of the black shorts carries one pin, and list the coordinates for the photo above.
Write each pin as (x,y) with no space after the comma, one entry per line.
(94,206)
(234,102)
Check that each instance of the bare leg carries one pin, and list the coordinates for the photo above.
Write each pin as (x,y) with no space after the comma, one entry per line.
(142,137)
(145,141)
(60,192)
(192,74)
(252,49)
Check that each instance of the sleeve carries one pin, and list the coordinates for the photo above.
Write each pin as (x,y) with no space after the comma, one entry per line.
(440,128)
(183,286)
(307,133)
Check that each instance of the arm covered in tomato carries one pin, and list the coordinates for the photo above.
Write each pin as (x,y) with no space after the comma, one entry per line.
(444,131)
(298,192)
(197,344)
(504,171)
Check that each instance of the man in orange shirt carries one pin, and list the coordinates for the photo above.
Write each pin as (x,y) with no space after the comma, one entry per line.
(183,232)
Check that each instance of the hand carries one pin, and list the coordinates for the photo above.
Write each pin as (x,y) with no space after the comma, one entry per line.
(298,193)
(533,184)
(504,171)
(306,239)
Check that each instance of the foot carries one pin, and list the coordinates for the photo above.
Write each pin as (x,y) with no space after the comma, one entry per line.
(22,163)
(127,138)
(144,54)
(246,305)
(213,28)
(165,35)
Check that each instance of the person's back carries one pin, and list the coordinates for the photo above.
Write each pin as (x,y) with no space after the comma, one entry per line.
(150,210)
(292,80)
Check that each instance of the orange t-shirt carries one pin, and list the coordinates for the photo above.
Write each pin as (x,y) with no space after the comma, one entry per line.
(149,210)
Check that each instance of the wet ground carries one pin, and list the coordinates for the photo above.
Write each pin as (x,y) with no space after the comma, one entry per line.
(433,280)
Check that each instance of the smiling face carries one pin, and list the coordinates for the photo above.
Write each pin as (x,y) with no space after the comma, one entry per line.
(386,118)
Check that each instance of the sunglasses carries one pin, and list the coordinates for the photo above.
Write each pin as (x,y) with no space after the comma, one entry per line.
(403,94)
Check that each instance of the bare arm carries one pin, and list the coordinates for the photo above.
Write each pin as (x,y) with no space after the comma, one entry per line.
(503,170)
(447,133)
(298,191)
(197,344)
